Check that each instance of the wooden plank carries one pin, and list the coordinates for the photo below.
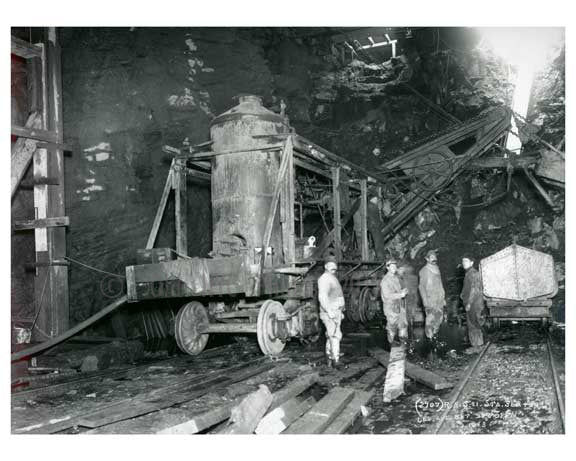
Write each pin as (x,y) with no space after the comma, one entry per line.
(369,378)
(61,221)
(329,238)
(364,220)
(426,377)
(346,419)
(539,188)
(287,153)
(307,147)
(24,49)
(181,208)
(283,416)
(336,216)
(22,152)
(203,421)
(394,384)
(160,210)
(168,396)
(319,417)
(37,134)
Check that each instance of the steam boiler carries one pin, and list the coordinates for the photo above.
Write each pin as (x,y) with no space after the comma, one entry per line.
(280,204)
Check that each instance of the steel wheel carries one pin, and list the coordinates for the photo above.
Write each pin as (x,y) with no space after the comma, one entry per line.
(269,344)
(189,318)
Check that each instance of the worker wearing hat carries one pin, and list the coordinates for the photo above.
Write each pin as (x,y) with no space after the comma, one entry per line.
(392,292)
(473,301)
(331,298)
(432,294)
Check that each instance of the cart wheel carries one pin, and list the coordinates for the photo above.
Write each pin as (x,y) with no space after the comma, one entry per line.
(189,317)
(269,344)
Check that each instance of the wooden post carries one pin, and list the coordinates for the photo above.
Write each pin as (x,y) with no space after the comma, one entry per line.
(364,220)
(336,209)
(51,284)
(161,207)
(180,190)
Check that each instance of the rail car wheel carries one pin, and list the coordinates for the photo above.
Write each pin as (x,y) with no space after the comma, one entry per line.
(189,318)
(268,342)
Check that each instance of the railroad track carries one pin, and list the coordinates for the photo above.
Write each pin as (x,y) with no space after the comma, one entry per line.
(507,389)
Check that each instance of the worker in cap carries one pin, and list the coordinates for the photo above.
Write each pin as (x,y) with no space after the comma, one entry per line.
(432,294)
(331,298)
(392,293)
(473,301)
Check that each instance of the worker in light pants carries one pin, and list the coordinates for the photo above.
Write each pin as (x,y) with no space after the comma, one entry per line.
(432,294)
(331,298)
(392,293)
(473,302)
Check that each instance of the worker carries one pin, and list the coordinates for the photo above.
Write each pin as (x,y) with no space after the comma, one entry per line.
(392,293)
(331,298)
(432,294)
(473,302)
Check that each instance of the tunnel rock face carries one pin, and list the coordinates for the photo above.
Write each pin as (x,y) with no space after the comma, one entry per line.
(129,92)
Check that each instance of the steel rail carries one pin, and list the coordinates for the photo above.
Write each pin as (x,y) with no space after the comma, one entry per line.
(557,390)
(459,389)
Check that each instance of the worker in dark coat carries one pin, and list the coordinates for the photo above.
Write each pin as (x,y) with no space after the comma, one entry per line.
(392,294)
(432,294)
(473,302)
(331,298)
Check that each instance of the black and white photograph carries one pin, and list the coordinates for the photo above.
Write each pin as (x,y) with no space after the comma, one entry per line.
(287,229)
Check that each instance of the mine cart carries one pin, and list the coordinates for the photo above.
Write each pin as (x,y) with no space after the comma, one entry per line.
(519,284)
(279,203)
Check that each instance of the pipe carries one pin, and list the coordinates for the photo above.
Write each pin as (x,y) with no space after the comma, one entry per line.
(68,333)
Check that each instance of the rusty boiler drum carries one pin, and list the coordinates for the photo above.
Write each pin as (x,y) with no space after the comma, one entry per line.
(243,178)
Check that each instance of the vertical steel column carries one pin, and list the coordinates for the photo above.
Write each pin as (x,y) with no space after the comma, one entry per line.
(364,220)
(181,193)
(336,209)
(51,283)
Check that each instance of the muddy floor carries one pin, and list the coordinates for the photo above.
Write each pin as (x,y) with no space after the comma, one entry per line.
(412,413)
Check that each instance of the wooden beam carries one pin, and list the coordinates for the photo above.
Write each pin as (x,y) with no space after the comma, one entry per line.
(22,152)
(336,216)
(319,417)
(36,133)
(61,221)
(181,208)
(329,238)
(160,210)
(426,377)
(282,417)
(364,220)
(539,188)
(24,49)
(345,419)
(51,282)
(501,162)
(287,153)
(200,422)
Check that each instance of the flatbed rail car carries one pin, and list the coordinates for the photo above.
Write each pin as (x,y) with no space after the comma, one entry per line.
(270,191)
(518,284)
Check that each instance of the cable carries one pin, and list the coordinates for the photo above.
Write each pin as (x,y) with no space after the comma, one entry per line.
(40,306)
(93,268)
